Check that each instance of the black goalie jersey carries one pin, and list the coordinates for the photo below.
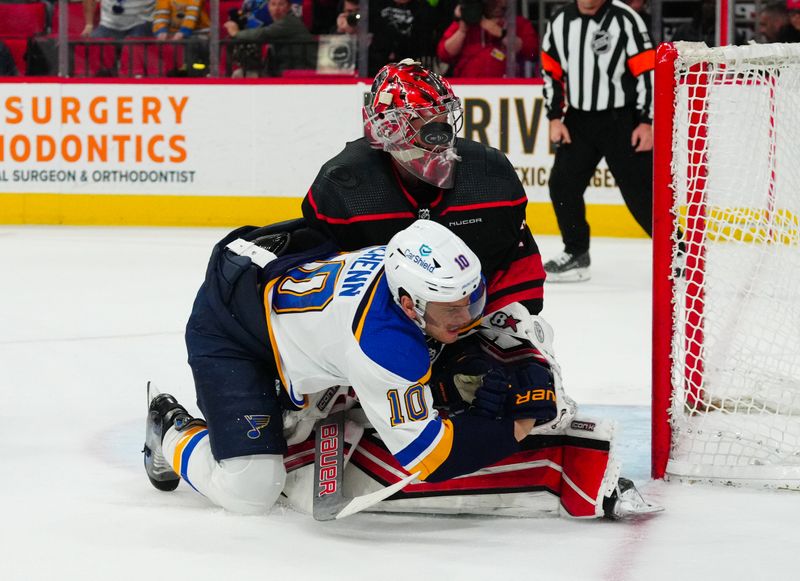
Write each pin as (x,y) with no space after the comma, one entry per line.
(359,200)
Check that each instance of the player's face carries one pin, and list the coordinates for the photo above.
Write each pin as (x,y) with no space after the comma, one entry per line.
(444,321)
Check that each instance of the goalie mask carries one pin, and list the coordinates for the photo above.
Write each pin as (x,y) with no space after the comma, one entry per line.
(428,263)
(413,114)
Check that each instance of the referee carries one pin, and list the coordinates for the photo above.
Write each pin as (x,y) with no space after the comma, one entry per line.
(597,62)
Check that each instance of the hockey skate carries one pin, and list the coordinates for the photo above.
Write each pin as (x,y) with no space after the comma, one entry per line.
(626,501)
(163,412)
(568,267)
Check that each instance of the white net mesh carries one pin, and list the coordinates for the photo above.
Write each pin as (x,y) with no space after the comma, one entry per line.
(735,409)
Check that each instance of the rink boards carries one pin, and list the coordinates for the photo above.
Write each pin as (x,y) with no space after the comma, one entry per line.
(217,153)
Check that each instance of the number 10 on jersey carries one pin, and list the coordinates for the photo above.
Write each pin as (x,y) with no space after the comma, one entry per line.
(411,406)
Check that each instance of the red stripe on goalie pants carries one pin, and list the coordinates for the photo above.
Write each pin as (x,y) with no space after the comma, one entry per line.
(299,461)
(299,455)
(302,454)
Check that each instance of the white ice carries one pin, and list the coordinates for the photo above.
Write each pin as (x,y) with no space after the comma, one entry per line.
(88,315)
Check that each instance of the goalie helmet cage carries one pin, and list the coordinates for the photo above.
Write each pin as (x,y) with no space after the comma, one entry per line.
(726,265)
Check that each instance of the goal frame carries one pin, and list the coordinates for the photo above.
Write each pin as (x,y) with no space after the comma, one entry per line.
(663,223)
(693,283)
(663,284)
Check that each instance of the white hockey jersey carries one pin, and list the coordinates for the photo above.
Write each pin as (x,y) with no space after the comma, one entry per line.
(334,322)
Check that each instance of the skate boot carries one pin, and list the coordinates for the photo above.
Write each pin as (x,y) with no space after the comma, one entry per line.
(626,501)
(568,267)
(163,412)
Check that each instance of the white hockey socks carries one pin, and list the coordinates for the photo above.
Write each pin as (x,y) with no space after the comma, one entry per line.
(246,485)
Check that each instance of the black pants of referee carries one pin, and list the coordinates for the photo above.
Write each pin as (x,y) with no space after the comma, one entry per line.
(594,135)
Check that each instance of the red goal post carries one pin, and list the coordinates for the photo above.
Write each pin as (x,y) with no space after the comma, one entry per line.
(726,265)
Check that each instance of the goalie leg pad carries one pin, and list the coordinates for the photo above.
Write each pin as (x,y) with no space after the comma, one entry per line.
(590,469)
(567,474)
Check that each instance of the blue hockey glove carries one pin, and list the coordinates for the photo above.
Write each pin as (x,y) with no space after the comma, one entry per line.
(490,398)
(520,392)
(532,394)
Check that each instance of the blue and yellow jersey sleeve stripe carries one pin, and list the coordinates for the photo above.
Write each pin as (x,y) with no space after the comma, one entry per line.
(427,452)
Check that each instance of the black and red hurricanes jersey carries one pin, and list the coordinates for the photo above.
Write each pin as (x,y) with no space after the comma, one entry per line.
(359,200)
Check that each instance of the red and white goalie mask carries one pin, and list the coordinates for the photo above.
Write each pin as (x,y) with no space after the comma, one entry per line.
(413,114)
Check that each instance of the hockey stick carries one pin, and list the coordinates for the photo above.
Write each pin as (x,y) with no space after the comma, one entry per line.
(330,502)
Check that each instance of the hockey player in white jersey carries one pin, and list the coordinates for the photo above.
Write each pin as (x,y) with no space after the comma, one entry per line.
(278,340)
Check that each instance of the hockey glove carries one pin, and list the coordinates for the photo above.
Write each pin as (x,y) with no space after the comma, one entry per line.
(490,398)
(520,392)
(533,394)
(458,374)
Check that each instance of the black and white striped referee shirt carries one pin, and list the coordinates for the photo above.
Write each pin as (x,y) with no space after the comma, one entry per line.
(599,62)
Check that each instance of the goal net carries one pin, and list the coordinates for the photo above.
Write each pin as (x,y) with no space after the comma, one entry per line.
(726,328)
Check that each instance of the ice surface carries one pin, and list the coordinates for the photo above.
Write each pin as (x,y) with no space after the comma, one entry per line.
(88,315)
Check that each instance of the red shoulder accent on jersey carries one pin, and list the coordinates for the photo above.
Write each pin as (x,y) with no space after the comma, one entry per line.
(523,280)
(353,219)
(484,205)
(524,269)
(518,297)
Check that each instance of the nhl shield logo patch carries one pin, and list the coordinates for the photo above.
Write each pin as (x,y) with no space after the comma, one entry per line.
(257,423)
(601,42)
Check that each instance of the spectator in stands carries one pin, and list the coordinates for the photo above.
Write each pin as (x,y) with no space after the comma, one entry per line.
(476,43)
(179,19)
(247,57)
(252,14)
(118,18)
(774,25)
(8,68)
(294,47)
(400,29)
(347,21)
